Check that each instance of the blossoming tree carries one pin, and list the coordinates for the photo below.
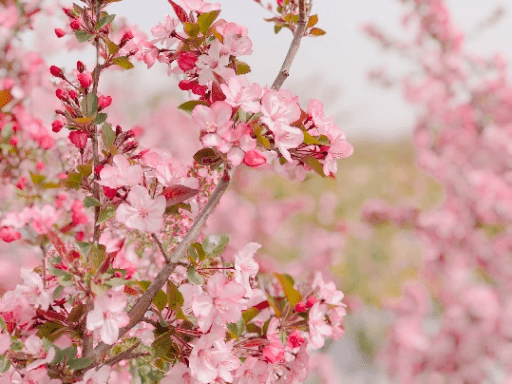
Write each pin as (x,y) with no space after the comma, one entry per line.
(128,286)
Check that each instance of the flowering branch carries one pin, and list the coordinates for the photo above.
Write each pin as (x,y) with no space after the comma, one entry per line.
(138,311)
(284,72)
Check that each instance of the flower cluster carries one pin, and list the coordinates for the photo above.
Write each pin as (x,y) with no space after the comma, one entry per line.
(129,287)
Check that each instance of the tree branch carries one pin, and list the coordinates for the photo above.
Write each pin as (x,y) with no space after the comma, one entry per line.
(161,247)
(294,46)
(138,311)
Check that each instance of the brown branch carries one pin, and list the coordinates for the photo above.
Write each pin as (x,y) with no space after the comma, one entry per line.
(138,311)
(161,247)
(284,72)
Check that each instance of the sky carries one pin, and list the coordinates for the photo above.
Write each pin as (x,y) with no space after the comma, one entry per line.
(334,67)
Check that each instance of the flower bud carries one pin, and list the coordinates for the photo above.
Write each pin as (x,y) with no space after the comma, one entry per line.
(104,102)
(61,94)
(78,139)
(57,125)
(80,66)
(311,301)
(59,32)
(85,80)
(75,25)
(21,183)
(9,234)
(199,90)
(254,158)
(186,85)
(300,307)
(72,94)
(187,60)
(55,71)
(110,193)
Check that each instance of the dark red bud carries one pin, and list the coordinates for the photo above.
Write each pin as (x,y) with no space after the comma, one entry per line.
(55,71)
(80,66)
(59,32)
(75,25)
(57,125)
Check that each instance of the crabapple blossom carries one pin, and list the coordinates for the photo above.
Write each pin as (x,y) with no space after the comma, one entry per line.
(121,174)
(141,212)
(245,266)
(108,316)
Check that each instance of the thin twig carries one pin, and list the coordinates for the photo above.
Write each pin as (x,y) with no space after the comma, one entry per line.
(45,282)
(144,302)
(158,242)
(294,46)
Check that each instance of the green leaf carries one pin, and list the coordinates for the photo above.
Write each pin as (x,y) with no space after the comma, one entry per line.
(104,21)
(214,245)
(242,68)
(90,201)
(5,364)
(48,330)
(59,356)
(83,36)
(144,284)
(205,20)
(194,277)
(100,118)
(207,156)
(250,314)
(74,179)
(236,329)
(70,353)
(108,135)
(112,47)
(191,29)
(196,252)
(37,178)
(106,214)
(96,255)
(188,106)
(312,21)
(90,105)
(85,170)
(80,363)
(310,140)
(174,296)
(316,32)
(123,62)
(160,300)
(84,247)
(314,164)
(287,283)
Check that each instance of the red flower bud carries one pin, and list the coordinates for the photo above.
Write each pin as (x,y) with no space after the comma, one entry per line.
(104,102)
(57,125)
(254,158)
(61,94)
(187,60)
(78,138)
(311,301)
(9,234)
(128,35)
(21,183)
(110,193)
(75,25)
(72,94)
(85,80)
(98,169)
(186,85)
(59,32)
(55,71)
(80,66)
(199,90)
(300,307)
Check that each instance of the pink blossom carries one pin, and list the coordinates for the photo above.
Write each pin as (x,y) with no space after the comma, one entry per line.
(318,328)
(221,303)
(179,373)
(97,376)
(253,371)
(121,174)
(212,62)
(279,107)
(199,5)
(141,211)
(295,339)
(85,80)
(108,316)
(5,342)
(162,32)
(274,352)
(245,266)
(33,289)
(287,137)
(214,122)
(239,93)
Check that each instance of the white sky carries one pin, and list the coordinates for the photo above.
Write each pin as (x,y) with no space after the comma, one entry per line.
(334,67)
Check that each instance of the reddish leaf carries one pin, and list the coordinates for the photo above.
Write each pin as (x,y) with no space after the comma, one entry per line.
(217,94)
(5,97)
(59,245)
(178,194)
(130,291)
(180,12)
